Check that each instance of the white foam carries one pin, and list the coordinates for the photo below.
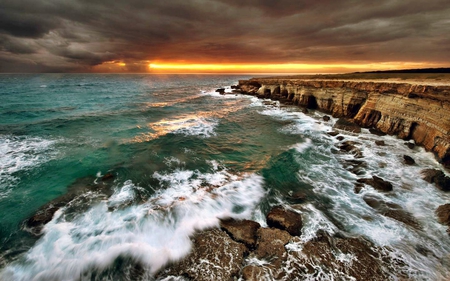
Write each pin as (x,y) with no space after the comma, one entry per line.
(21,153)
(153,233)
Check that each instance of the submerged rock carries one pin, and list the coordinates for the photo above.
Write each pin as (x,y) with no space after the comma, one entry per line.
(286,220)
(215,256)
(380,142)
(443,215)
(377,183)
(243,231)
(391,210)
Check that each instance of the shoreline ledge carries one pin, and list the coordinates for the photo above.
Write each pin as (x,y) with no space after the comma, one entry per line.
(410,109)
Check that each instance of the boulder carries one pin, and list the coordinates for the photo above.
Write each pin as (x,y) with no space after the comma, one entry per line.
(243,231)
(438,178)
(326,118)
(215,256)
(377,183)
(380,142)
(288,220)
(347,125)
(408,160)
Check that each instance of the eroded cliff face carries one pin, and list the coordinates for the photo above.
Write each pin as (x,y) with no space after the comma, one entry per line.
(410,111)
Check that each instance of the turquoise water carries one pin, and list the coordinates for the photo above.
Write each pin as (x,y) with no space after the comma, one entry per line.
(183,156)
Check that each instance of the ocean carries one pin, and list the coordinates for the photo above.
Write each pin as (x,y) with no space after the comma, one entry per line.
(178,157)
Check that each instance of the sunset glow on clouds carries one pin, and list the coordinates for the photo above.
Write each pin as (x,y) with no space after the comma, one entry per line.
(230,36)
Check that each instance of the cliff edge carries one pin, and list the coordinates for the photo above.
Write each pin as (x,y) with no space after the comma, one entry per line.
(410,110)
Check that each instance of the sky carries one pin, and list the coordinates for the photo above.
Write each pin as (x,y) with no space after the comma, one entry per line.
(231,36)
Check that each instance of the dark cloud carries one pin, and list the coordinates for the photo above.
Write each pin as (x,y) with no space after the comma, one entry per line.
(74,35)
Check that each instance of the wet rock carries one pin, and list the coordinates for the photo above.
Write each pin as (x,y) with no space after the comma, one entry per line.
(108,176)
(340,138)
(44,214)
(408,160)
(333,133)
(243,231)
(326,118)
(358,187)
(235,87)
(355,166)
(380,142)
(410,145)
(270,246)
(324,251)
(288,220)
(297,197)
(215,256)
(253,273)
(438,178)
(347,125)
(391,210)
(220,91)
(350,147)
(376,132)
(377,183)
(443,214)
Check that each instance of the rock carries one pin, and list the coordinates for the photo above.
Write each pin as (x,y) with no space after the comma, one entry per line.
(326,118)
(298,197)
(408,160)
(333,133)
(355,166)
(271,243)
(220,91)
(323,251)
(107,177)
(350,146)
(438,178)
(243,231)
(288,220)
(376,132)
(235,87)
(380,142)
(253,273)
(391,210)
(410,145)
(377,183)
(215,256)
(443,214)
(44,214)
(347,125)
(340,138)
(358,187)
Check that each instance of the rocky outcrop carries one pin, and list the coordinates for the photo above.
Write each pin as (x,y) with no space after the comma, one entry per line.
(410,111)
(241,231)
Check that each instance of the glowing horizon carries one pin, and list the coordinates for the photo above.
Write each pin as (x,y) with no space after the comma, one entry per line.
(167,67)
(163,67)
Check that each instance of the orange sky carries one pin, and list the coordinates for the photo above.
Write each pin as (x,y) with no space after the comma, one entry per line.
(193,67)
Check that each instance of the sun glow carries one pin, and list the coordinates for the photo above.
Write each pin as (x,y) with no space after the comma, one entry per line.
(158,67)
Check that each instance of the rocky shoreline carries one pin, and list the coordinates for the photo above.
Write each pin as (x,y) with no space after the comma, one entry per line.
(408,110)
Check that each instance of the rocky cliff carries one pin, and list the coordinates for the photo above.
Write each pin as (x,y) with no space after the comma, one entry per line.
(408,110)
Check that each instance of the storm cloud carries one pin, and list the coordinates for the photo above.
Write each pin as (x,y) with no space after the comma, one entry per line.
(76,35)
